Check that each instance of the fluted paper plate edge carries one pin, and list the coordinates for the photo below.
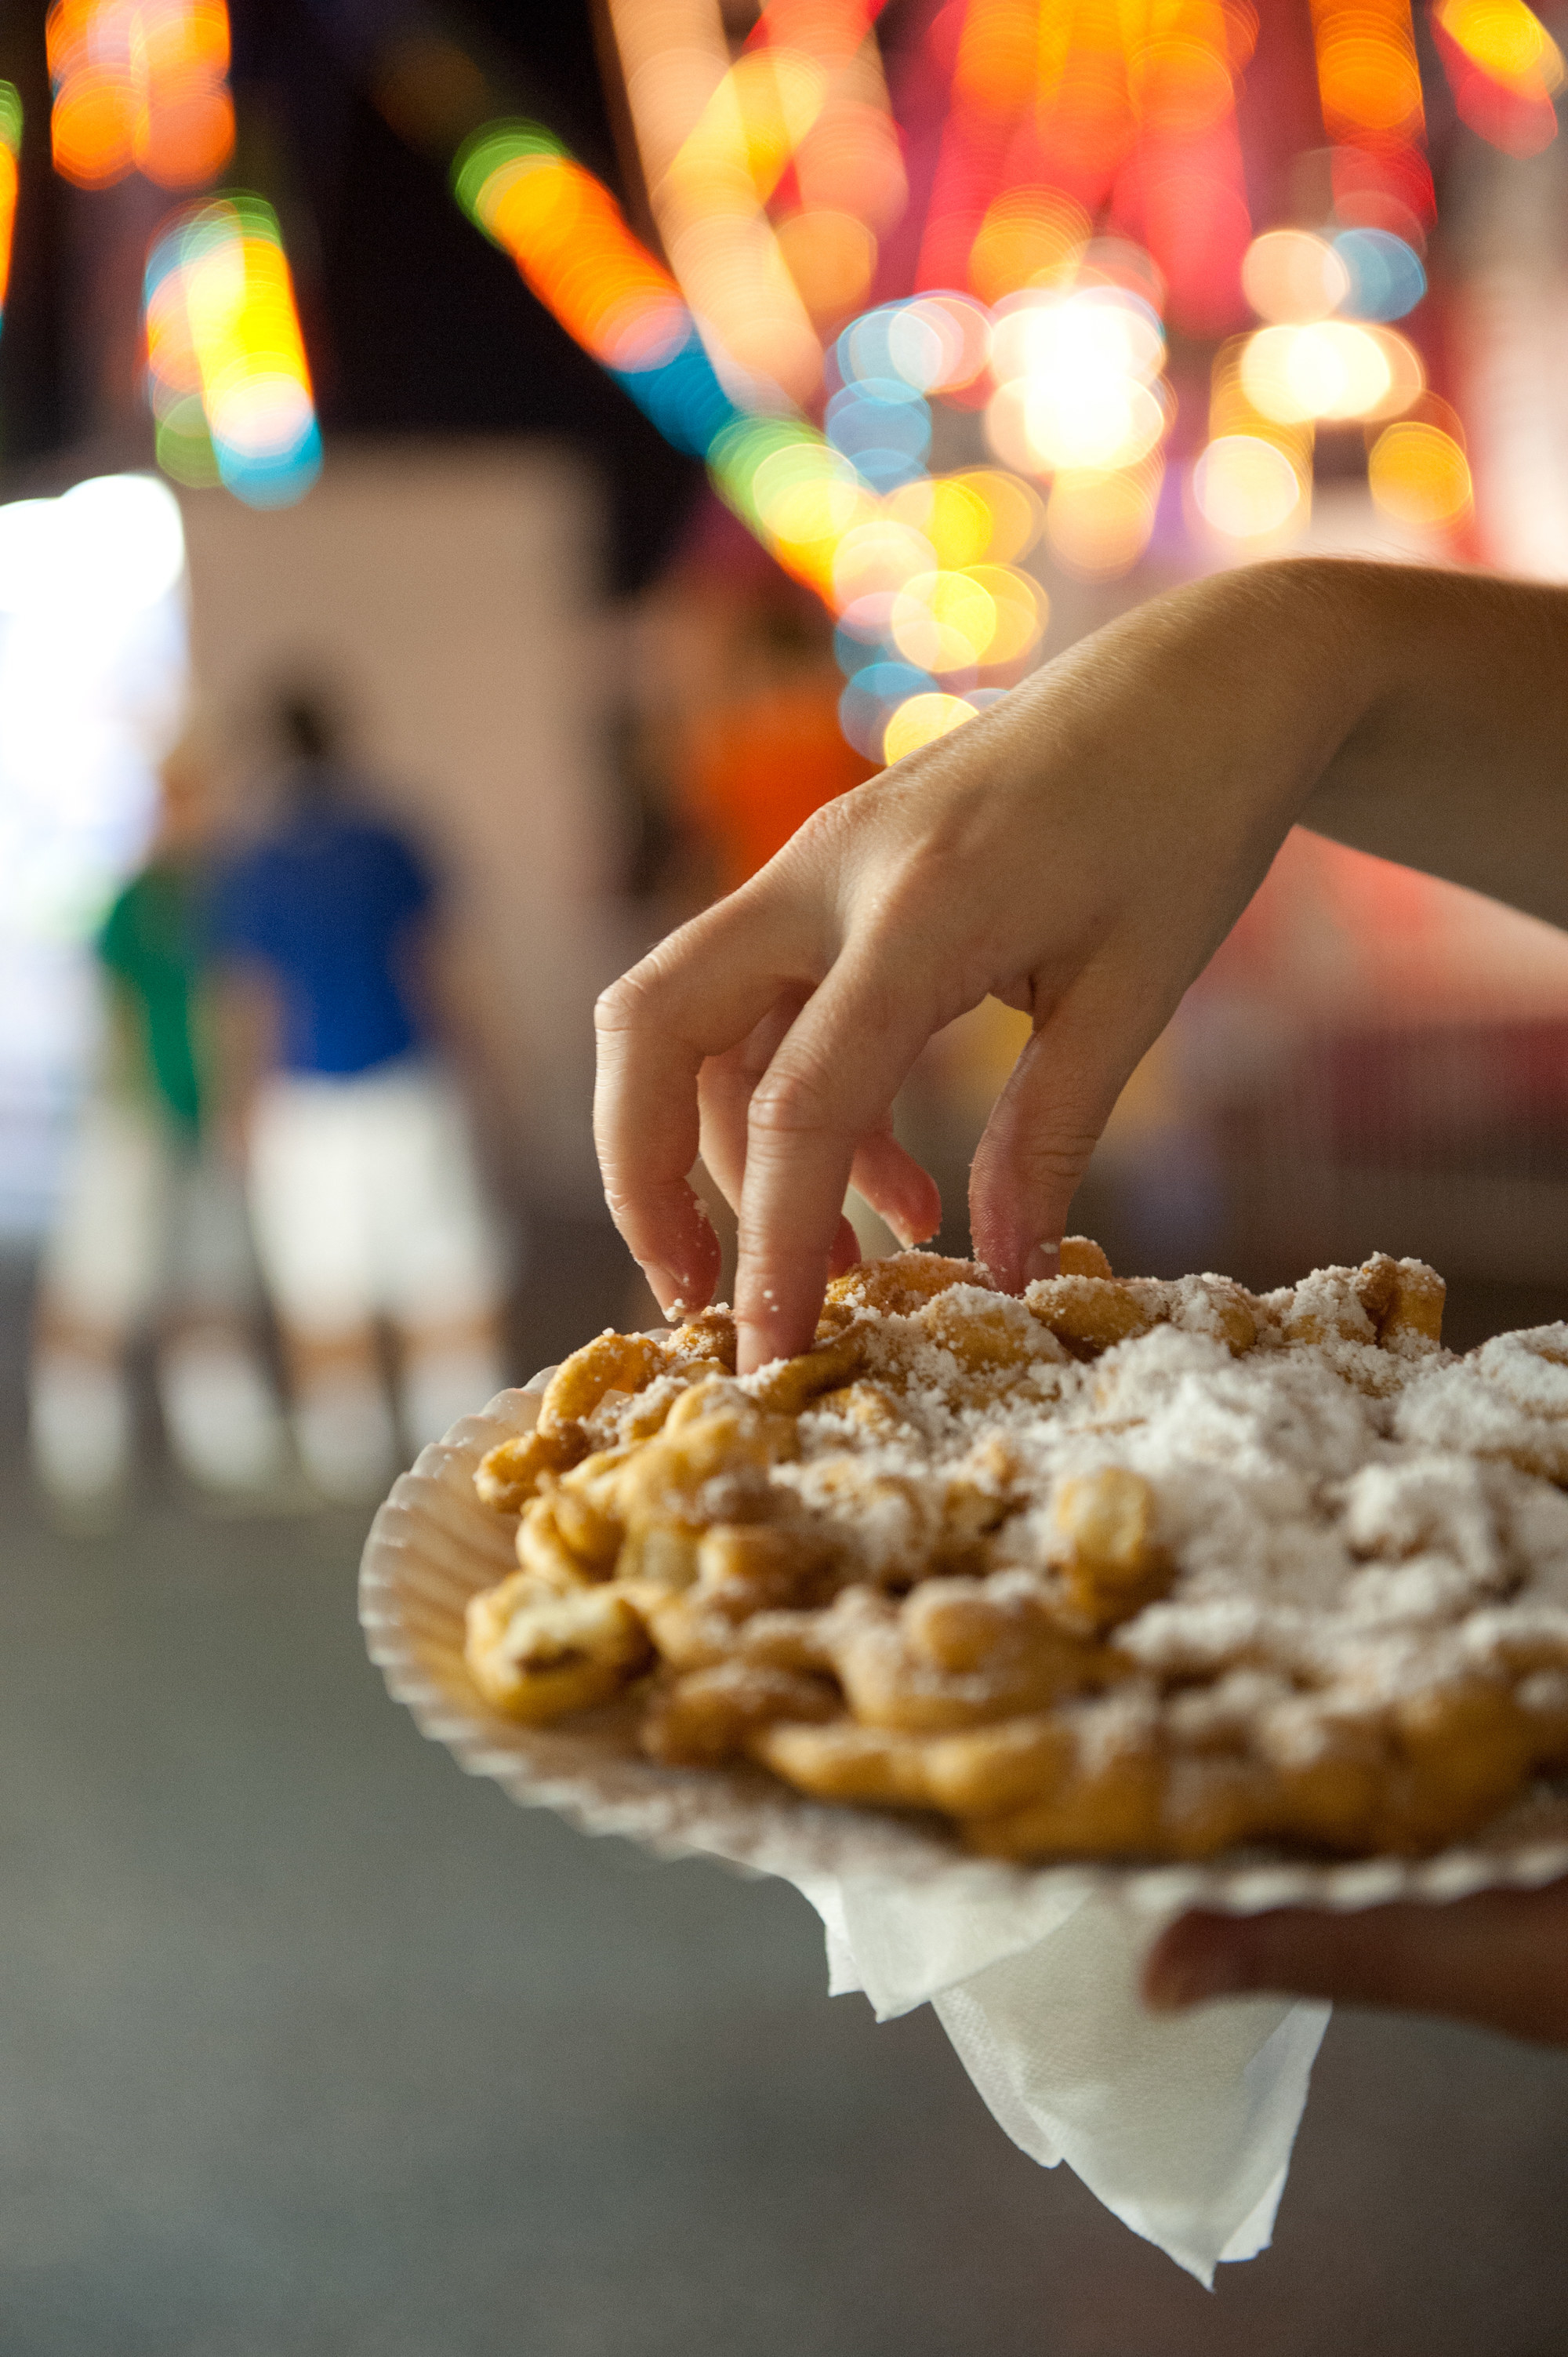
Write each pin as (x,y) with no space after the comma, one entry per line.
(432,1543)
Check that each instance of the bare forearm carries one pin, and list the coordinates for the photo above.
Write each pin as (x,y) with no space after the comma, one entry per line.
(1459,761)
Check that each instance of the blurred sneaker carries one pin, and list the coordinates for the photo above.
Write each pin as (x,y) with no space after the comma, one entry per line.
(223,1424)
(80,1429)
(343,1430)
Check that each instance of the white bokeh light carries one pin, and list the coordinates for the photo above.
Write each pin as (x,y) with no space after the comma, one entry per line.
(93,679)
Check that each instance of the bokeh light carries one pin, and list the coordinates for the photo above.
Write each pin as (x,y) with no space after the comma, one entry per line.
(1504,69)
(10,153)
(934,344)
(1097,524)
(831,256)
(981,617)
(1246,488)
(1419,475)
(113,541)
(1333,369)
(802,498)
(875,556)
(140,85)
(1073,382)
(709,204)
(1386,277)
(1369,82)
(228,378)
(943,622)
(870,698)
(950,513)
(1086,184)
(884,425)
(921,720)
(565,234)
(1291,277)
(1029,237)
(970,516)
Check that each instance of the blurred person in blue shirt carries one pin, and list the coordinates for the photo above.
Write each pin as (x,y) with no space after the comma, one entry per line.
(364,1196)
(150,1228)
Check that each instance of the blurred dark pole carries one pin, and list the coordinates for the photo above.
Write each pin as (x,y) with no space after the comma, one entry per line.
(34,409)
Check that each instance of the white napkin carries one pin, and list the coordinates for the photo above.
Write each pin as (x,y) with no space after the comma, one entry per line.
(1182,2124)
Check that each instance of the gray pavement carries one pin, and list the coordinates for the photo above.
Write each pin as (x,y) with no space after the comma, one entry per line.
(308,2044)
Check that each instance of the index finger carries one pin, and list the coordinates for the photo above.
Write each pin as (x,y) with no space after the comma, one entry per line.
(697,995)
(832,1080)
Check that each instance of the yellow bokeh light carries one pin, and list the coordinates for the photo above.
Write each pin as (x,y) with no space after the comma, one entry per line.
(878,557)
(778,94)
(921,720)
(943,622)
(1098,526)
(1029,237)
(804,495)
(531,198)
(1507,40)
(1017,515)
(1245,488)
(952,516)
(1022,610)
(1290,276)
(1419,475)
(830,256)
(227,379)
(1368,81)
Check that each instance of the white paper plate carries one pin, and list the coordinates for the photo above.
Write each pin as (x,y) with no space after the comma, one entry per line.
(432,1543)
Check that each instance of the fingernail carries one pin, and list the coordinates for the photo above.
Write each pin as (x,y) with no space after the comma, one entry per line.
(1193,1980)
(666,1290)
(1042,1260)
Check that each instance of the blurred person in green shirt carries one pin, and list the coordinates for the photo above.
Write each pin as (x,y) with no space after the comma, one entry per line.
(151,1228)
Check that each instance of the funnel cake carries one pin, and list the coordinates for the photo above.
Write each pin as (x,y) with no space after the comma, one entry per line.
(1122,1568)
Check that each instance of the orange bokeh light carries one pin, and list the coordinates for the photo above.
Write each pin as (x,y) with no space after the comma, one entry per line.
(1369,82)
(140,85)
(568,238)
(1418,474)
(10,142)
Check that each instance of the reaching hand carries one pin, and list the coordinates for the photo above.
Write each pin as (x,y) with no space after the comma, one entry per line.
(1080,851)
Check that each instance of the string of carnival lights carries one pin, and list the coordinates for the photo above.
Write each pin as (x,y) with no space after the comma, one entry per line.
(228,377)
(10,159)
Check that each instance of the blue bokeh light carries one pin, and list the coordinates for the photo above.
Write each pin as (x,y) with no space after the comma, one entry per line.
(1386,276)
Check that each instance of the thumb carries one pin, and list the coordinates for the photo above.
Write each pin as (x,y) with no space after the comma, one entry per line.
(1499,1959)
(1043,1128)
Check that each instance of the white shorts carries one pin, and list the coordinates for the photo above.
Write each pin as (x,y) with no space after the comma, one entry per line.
(148,1221)
(365,1202)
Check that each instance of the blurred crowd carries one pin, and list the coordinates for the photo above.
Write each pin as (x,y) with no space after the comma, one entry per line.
(271,1179)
